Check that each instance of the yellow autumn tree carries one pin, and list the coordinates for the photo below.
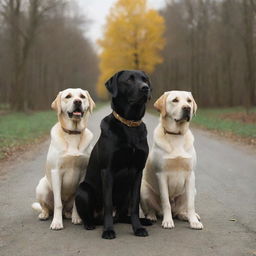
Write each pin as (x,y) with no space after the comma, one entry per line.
(132,39)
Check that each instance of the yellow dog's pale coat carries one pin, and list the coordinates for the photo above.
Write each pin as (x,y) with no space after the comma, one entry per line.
(67,158)
(168,184)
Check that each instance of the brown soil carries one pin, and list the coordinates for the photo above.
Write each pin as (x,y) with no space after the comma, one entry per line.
(241,117)
(4,112)
(231,136)
(13,152)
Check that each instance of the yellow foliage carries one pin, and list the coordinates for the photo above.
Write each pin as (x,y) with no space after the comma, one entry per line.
(132,39)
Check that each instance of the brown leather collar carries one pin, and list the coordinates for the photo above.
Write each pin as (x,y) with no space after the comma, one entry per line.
(129,123)
(70,132)
(172,133)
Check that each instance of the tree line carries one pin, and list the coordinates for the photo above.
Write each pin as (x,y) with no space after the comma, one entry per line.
(210,50)
(43,49)
(205,46)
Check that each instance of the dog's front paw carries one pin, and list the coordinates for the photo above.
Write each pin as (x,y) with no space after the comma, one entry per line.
(43,216)
(184,216)
(198,216)
(152,217)
(56,225)
(168,223)
(108,234)
(196,225)
(67,215)
(141,232)
(76,220)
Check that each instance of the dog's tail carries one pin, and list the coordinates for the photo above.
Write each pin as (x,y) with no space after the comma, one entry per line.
(37,207)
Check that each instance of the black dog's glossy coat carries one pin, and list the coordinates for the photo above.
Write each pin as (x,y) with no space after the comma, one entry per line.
(114,172)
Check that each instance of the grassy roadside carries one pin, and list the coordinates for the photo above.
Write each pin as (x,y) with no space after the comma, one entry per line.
(230,122)
(20,129)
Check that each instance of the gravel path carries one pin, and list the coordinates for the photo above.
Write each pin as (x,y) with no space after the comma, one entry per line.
(226,201)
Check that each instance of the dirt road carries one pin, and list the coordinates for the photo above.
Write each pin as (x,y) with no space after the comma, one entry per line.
(226,201)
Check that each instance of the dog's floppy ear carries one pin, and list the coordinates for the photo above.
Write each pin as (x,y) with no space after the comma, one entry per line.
(91,102)
(111,84)
(56,104)
(160,104)
(194,104)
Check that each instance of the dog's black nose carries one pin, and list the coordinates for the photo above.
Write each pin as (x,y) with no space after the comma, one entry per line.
(186,109)
(77,102)
(144,88)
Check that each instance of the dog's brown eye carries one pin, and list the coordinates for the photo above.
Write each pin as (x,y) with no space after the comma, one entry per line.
(131,78)
(82,96)
(68,96)
(144,79)
(189,100)
(175,100)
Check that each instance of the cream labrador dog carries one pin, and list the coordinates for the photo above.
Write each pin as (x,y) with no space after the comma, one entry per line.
(67,157)
(168,184)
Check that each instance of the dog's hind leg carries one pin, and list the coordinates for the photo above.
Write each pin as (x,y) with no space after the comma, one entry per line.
(180,208)
(148,211)
(150,203)
(67,208)
(44,196)
(85,205)
(75,217)
(70,211)
(153,206)
(124,217)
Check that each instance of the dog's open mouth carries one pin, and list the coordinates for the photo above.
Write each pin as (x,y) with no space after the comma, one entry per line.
(183,119)
(77,113)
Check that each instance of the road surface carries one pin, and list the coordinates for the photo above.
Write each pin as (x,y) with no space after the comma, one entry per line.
(226,201)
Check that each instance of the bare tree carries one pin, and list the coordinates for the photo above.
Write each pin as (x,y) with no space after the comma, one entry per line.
(44,50)
(22,28)
(211,51)
(248,40)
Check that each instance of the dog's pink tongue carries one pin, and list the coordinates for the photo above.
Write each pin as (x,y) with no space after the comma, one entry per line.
(77,113)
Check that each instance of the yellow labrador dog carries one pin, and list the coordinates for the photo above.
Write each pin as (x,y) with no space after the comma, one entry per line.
(168,185)
(67,157)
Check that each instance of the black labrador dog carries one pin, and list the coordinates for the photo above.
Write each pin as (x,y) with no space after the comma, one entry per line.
(114,172)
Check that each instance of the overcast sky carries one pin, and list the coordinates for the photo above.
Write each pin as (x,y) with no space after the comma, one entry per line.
(97,10)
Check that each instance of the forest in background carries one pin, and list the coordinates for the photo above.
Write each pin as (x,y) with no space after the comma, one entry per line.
(43,49)
(209,49)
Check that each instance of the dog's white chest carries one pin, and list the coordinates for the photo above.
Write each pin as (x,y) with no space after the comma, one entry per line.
(177,163)
(72,168)
(177,158)
(73,161)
